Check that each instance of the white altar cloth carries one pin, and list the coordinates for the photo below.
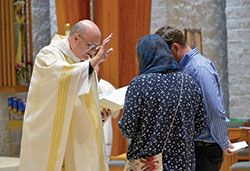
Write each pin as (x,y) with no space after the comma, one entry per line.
(9,164)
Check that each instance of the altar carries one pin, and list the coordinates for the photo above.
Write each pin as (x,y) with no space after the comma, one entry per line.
(9,164)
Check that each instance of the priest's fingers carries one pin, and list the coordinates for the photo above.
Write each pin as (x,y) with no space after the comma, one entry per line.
(106,41)
(104,113)
(108,52)
(103,53)
(108,113)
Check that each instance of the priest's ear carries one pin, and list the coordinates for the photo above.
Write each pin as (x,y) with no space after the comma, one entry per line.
(76,36)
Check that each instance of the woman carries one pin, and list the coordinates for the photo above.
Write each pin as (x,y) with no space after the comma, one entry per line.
(150,103)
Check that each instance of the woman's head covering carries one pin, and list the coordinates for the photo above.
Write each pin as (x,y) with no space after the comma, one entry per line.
(154,55)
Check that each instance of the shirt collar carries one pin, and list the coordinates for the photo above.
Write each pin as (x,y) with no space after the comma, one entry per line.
(71,56)
(62,43)
(187,57)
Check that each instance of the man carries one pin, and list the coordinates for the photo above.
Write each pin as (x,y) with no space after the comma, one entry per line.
(209,145)
(62,119)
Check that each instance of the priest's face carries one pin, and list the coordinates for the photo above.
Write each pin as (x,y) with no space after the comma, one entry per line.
(87,45)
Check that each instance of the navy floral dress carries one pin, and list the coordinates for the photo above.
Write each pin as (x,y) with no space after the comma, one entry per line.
(150,103)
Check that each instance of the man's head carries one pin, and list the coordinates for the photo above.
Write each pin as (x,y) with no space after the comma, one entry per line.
(176,41)
(84,39)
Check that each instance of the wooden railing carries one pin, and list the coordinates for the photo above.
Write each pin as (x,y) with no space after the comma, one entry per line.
(235,134)
(8,82)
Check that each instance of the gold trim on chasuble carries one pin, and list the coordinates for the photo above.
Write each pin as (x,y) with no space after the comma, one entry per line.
(68,59)
(62,96)
(95,118)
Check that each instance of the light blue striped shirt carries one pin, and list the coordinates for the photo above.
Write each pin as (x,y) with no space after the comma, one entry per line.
(205,74)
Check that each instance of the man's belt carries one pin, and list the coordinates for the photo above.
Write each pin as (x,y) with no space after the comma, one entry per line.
(201,143)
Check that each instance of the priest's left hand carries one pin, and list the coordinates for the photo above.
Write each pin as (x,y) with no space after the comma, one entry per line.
(105,114)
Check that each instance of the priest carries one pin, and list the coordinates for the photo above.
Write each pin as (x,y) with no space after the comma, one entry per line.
(62,122)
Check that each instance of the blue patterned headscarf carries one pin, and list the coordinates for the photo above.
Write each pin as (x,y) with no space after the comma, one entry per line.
(154,55)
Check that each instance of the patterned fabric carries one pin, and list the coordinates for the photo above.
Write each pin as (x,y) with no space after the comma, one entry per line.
(205,74)
(149,108)
(152,163)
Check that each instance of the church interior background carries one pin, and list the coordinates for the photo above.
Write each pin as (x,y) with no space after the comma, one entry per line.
(221,27)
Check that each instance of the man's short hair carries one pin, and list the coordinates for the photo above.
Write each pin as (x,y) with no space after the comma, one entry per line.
(77,28)
(171,35)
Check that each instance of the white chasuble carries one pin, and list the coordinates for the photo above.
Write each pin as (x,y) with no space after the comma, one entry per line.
(62,120)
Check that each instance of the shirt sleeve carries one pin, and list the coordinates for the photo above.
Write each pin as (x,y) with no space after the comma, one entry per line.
(213,99)
(200,113)
(91,69)
(129,121)
(84,82)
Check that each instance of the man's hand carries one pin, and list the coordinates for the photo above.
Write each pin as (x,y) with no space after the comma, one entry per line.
(105,114)
(103,53)
(227,152)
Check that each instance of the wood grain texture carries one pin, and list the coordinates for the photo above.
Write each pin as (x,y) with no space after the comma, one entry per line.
(134,21)
(30,35)
(129,20)
(4,53)
(1,42)
(8,43)
(71,11)
(12,49)
(106,17)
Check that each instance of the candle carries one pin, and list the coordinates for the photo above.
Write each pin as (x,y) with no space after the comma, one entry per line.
(10,103)
(15,104)
(20,106)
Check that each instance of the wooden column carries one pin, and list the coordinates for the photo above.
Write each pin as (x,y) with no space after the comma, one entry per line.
(134,21)
(106,17)
(129,20)
(71,11)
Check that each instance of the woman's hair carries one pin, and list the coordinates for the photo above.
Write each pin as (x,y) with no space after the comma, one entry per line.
(154,55)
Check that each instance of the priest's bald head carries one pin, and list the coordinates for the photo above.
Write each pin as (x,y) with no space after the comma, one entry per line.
(84,39)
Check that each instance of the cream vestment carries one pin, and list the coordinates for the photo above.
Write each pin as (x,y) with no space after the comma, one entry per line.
(62,118)
(104,87)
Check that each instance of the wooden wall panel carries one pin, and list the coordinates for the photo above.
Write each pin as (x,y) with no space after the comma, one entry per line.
(106,17)
(8,45)
(134,22)
(7,41)
(30,36)
(1,50)
(71,11)
(129,20)
(12,42)
(3,38)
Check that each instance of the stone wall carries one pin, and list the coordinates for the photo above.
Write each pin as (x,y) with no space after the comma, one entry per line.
(40,24)
(206,15)
(238,35)
(158,15)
